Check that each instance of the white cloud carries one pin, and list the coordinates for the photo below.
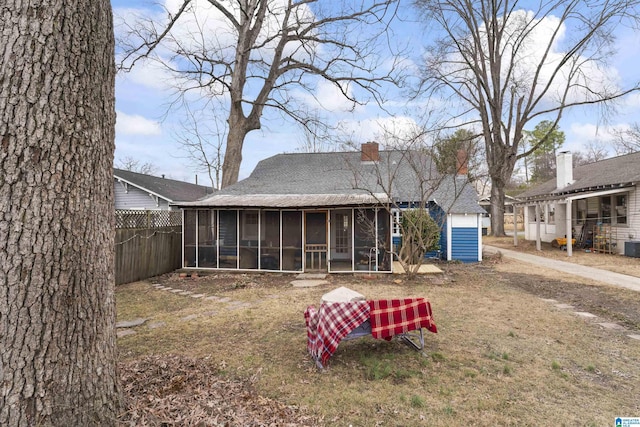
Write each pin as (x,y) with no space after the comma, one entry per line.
(150,74)
(588,131)
(330,98)
(541,45)
(632,101)
(581,135)
(128,124)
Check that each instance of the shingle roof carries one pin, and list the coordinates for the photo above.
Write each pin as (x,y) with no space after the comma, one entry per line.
(332,179)
(169,189)
(615,172)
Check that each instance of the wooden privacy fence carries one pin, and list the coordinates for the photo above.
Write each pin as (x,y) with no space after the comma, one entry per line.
(148,243)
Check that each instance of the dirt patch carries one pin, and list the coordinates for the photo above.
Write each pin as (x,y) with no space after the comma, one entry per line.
(221,283)
(613,304)
(608,302)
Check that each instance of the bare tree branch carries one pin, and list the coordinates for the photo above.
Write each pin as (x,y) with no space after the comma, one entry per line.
(130,164)
(257,54)
(627,141)
(509,65)
(202,138)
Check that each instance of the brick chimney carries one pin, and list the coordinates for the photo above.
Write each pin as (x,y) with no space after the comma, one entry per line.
(564,169)
(462,162)
(369,152)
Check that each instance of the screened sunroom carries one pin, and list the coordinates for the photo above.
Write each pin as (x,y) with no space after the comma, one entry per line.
(344,239)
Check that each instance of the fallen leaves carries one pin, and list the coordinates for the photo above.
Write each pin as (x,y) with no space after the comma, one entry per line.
(172,390)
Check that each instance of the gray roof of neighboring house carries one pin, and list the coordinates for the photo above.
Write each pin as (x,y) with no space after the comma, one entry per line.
(621,171)
(341,179)
(169,189)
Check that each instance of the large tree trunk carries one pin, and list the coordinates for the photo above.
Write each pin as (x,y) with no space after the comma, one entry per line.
(57,307)
(239,127)
(501,159)
(497,210)
(232,156)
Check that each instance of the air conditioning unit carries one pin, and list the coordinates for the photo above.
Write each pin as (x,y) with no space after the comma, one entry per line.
(632,249)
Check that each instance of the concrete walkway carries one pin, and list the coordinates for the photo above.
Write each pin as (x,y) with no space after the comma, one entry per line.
(605,276)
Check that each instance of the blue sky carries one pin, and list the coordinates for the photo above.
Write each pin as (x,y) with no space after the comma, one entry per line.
(145,132)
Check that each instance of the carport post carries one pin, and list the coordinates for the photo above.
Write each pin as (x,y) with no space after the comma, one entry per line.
(538,213)
(569,230)
(515,225)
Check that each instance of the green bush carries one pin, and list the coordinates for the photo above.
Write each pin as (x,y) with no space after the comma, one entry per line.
(420,234)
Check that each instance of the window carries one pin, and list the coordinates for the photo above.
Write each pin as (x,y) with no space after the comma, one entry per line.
(613,209)
(190,222)
(581,209)
(537,212)
(207,251)
(605,209)
(249,225)
(621,209)
(551,214)
(343,233)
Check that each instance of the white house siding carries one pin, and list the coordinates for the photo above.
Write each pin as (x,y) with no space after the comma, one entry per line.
(632,231)
(548,231)
(129,197)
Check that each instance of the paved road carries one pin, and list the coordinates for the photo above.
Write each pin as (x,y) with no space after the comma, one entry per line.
(609,277)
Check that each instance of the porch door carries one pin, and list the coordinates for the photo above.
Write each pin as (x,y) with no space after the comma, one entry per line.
(340,243)
(315,236)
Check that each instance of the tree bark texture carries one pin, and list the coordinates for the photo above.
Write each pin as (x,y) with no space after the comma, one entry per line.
(57,307)
(232,157)
(501,159)
(239,127)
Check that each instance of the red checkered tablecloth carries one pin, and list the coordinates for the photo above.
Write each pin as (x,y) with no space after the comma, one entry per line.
(330,324)
(399,316)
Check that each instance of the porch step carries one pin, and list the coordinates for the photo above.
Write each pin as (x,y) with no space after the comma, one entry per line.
(311,276)
(308,283)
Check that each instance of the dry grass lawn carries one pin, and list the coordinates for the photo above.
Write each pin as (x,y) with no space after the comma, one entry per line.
(502,356)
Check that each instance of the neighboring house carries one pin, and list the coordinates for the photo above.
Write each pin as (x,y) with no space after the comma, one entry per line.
(509,209)
(333,212)
(138,191)
(597,204)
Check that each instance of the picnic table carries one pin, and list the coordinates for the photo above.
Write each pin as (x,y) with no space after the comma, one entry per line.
(385,319)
